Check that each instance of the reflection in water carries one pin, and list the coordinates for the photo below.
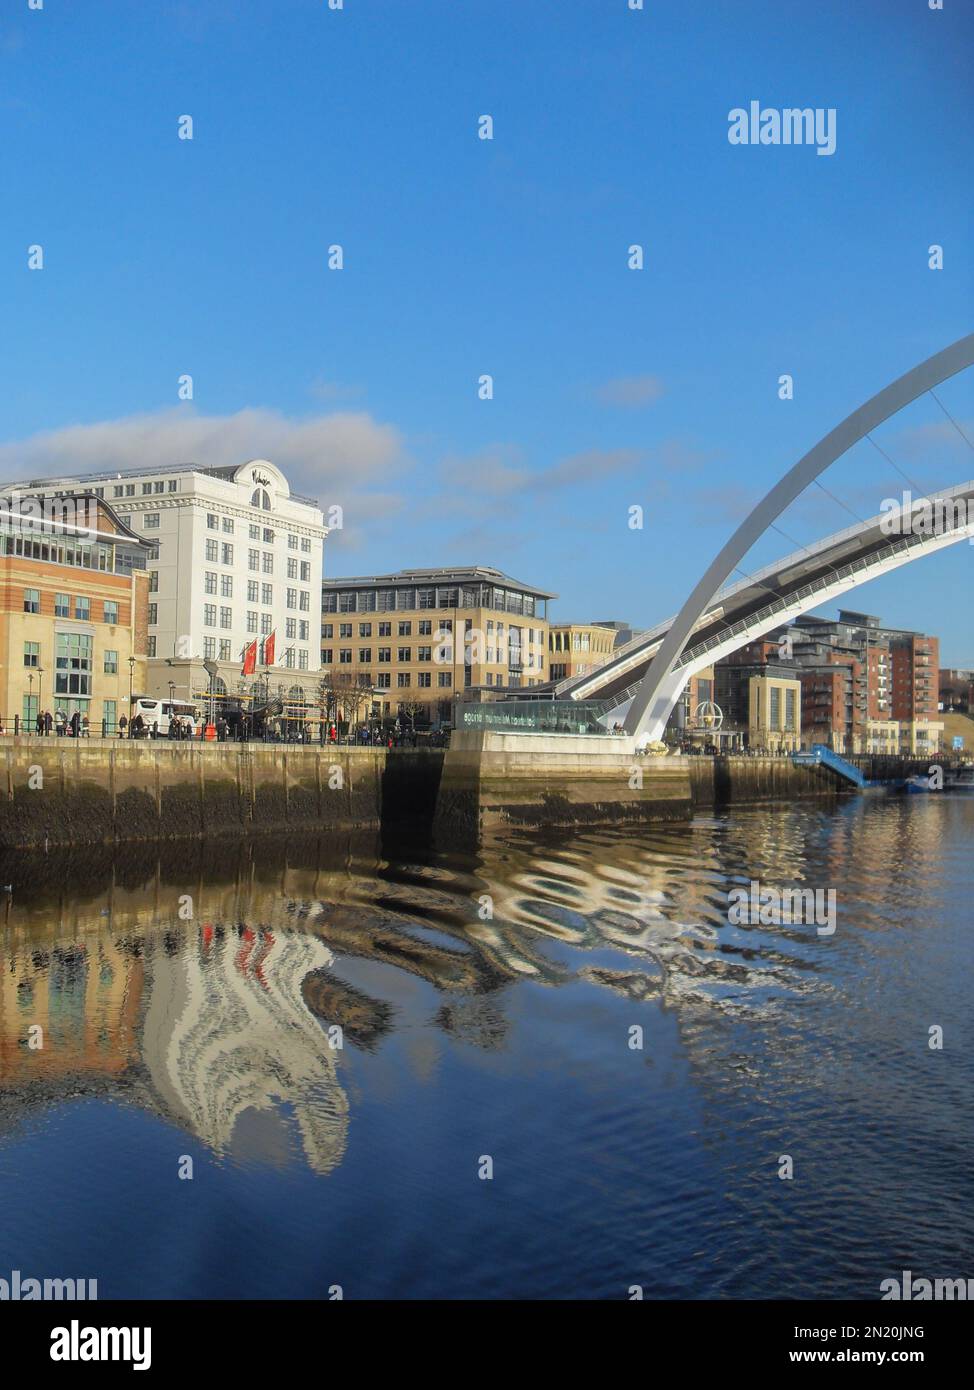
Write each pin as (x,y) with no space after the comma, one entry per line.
(212,1015)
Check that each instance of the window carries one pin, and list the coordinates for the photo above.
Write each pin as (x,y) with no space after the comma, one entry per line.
(292,598)
(402,679)
(251,621)
(365,655)
(212,551)
(111,663)
(425,627)
(254,532)
(226,556)
(405,654)
(306,544)
(72,663)
(253,589)
(109,712)
(385,654)
(62,605)
(292,568)
(32,654)
(212,521)
(209,614)
(151,521)
(267,563)
(82,608)
(304,601)
(117,490)
(226,586)
(306,571)
(209,581)
(405,629)
(424,654)
(383,680)
(267,535)
(303,629)
(290,627)
(292,541)
(425,679)
(228,525)
(209,648)
(226,617)
(345,656)
(289,657)
(129,489)
(253,559)
(326,656)
(385,629)
(344,629)
(265,624)
(225,653)
(302,660)
(153,581)
(111,610)
(260,497)
(32,601)
(173,484)
(328,629)
(443,678)
(150,646)
(153,613)
(146,487)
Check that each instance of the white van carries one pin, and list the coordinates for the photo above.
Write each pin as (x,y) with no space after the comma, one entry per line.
(161,711)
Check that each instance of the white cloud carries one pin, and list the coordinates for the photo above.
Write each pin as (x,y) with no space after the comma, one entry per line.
(332,457)
(631,392)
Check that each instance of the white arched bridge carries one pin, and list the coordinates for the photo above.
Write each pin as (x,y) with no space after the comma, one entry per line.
(642,681)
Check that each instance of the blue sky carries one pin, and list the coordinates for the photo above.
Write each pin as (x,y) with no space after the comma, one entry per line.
(612,387)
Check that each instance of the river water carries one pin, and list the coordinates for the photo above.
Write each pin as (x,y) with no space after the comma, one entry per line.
(345,1038)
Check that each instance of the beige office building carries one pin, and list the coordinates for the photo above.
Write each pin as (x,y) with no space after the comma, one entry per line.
(575,649)
(419,638)
(774,713)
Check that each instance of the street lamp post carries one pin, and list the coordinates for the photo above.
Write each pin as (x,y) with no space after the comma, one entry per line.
(30,696)
(40,682)
(131,689)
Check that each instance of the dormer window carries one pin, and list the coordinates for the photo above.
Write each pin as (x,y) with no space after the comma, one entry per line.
(261,498)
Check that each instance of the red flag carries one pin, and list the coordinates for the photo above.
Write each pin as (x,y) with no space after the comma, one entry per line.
(269,649)
(250,659)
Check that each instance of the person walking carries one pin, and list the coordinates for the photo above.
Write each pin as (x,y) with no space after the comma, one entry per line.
(48,722)
(85,727)
(59,722)
(41,722)
(75,723)
(122,726)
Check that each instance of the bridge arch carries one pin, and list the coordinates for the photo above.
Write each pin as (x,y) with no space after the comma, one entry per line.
(660,688)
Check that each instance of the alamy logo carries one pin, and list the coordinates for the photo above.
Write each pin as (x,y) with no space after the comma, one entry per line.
(17,1289)
(756,906)
(77,1343)
(789,126)
(920,1290)
(925,516)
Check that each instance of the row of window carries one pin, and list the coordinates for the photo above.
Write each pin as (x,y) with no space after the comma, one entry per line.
(266,534)
(63,606)
(32,656)
(128,489)
(446,596)
(492,657)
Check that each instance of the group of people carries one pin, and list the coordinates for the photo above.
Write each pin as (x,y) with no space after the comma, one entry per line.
(65,726)
(138,728)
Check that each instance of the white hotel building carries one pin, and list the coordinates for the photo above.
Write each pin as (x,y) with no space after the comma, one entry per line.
(236,556)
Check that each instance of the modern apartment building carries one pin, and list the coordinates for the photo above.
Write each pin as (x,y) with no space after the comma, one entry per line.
(235,557)
(73,615)
(419,638)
